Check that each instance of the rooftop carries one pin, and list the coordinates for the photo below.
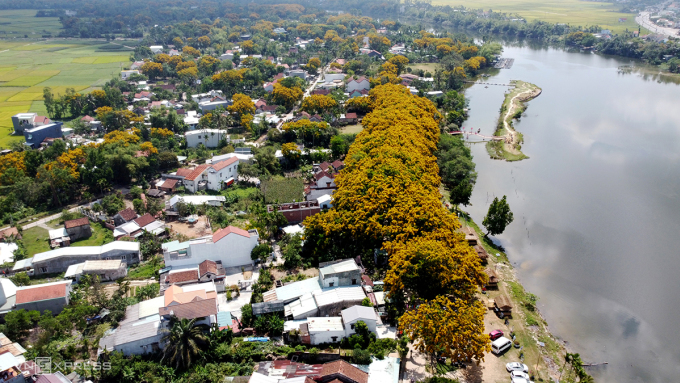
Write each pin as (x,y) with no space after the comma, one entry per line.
(42,292)
(102,265)
(127,214)
(144,220)
(85,250)
(196,172)
(339,294)
(76,222)
(325,324)
(343,368)
(297,289)
(229,230)
(357,312)
(341,267)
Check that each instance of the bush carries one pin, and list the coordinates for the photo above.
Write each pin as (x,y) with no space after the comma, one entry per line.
(361,356)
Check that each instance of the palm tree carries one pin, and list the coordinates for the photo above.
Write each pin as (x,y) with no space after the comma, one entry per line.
(183,343)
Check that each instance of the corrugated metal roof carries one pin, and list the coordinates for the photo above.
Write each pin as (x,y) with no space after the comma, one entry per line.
(298,289)
(267,307)
(86,250)
(354,313)
(224,319)
(325,324)
(338,294)
(348,265)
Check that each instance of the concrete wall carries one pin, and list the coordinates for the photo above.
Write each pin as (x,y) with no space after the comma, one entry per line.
(344,278)
(110,275)
(233,250)
(370,323)
(334,309)
(20,124)
(140,346)
(208,139)
(326,336)
(53,305)
(35,138)
(58,265)
(79,232)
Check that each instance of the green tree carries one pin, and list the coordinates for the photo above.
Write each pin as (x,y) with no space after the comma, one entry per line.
(21,279)
(339,146)
(261,252)
(183,343)
(456,168)
(247,315)
(498,217)
(113,203)
(367,302)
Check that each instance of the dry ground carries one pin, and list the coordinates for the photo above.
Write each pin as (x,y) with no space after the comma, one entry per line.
(195,230)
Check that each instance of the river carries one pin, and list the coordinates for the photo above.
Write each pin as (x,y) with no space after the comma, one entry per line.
(596,233)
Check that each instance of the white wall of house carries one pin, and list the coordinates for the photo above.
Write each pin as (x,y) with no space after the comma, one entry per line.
(326,336)
(371,323)
(139,346)
(216,178)
(232,250)
(329,77)
(127,73)
(208,137)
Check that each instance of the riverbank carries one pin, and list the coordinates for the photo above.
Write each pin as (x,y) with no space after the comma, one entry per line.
(510,148)
(542,352)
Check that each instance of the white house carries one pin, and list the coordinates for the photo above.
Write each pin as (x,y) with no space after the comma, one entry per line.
(229,246)
(213,176)
(191,120)
(268,87)
(211,100)
(352,315)
(210,138)
(325,330)
(358,84)
(127,73)
(156,49)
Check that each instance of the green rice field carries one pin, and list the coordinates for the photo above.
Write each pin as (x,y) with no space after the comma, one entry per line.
(22,22)
(573,12)
(26,67)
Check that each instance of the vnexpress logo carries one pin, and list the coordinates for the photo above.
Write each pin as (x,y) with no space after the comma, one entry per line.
(45,364)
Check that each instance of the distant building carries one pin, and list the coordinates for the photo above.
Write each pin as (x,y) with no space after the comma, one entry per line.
(52,297)
(210,138)
(296,212)
(78,228)
(110,270)
(155,49)
(23,121)
(214,176)
(127,73)
(36,135)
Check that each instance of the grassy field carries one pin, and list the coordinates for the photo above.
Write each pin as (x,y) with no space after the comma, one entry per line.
(100,236)
(21,22)
(427,67)
(26,67)
(36,240)
(351,129)
(574,12)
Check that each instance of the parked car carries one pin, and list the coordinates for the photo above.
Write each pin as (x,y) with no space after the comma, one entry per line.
(516,366)
(495,334)
(519,374)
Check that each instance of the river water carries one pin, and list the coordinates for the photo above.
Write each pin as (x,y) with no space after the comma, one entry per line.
(596,233)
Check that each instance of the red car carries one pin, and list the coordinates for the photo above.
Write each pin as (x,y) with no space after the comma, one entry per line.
(495,334)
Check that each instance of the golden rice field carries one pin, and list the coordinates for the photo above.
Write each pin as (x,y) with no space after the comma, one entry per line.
(573,12)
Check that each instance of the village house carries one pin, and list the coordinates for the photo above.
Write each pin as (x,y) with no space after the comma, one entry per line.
(23,121)
(78,228)
(358,84)
(124,75)
(197,301)
(214,176)
(229,246)
(58,260)
(36,135)
(206,271)
(124,216)
(210,138)
(52,297)
(340,273)
(196,200)
(110,270)
(155,49)
(9,233)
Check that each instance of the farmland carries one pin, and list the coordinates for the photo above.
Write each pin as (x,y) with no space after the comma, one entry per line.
(22,22)
(26,67)
(574,12)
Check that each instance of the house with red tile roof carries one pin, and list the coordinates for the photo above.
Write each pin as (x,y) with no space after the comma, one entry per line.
(8,233)
(227,247)
(124,216)
(215,176)
(78,228)
(47,296)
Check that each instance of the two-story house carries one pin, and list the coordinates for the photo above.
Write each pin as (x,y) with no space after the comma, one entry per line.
(213,176)
(229,246)
(358,84)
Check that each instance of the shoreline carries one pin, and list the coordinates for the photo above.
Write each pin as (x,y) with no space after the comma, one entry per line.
(514,104)
(527,323)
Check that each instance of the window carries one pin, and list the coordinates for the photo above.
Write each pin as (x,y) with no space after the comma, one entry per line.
(199,136)
(335,339)
(354,281)
(331,284)
(352,327)
(43,269)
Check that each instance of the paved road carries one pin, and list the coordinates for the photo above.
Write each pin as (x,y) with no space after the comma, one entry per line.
(643,20)
(43,221)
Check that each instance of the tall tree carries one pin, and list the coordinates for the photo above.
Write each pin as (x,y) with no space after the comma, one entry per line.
(498,217)
(183,343)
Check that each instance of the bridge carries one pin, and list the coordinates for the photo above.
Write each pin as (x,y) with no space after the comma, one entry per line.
(483,137)
(488,83)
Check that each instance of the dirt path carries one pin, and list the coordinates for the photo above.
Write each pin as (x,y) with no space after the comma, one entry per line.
(512,139)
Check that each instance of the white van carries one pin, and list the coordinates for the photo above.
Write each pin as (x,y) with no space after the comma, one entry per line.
(501,344)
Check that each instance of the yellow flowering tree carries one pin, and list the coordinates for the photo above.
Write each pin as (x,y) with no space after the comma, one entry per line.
(318,103)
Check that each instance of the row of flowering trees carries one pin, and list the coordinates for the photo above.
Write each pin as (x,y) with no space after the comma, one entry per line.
(388,201)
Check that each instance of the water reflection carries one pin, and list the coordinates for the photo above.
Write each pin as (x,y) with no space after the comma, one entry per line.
(596,205)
